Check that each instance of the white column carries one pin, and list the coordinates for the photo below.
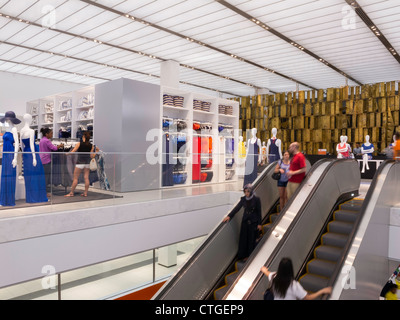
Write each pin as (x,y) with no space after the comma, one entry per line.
(170,74)
(168,256)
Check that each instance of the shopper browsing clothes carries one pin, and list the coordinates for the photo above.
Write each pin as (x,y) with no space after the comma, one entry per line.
(251,222)
(297,170)
(86,153)
(46,147)
(283,167)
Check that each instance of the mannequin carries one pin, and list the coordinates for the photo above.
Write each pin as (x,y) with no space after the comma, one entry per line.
(253,158)
(367,149)
(274,147)
(9,164)
(342,149)
(264,153)
(35,183)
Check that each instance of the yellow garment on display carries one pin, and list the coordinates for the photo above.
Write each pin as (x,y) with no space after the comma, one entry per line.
(242,150)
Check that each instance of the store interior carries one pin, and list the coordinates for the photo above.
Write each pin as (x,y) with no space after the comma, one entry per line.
(171,98)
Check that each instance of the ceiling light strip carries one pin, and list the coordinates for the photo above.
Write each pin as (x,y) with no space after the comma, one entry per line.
(374,29)
(54,70)
(130,50)
(96,63)
(133,18)
(284,38)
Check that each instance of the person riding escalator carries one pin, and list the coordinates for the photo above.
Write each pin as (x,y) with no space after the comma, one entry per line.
(251,222)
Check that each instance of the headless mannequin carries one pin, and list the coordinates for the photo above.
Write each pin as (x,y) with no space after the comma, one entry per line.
(367,153)
(28,133)
(254,140)
(278,144)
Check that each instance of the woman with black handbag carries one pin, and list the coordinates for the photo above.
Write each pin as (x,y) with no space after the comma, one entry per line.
(281,171)
(251,222)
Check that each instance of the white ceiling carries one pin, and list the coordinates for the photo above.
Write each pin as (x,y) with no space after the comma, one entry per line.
(55,39)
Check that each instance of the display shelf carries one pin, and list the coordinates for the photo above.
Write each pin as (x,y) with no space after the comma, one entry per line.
(211,116)
(61,111)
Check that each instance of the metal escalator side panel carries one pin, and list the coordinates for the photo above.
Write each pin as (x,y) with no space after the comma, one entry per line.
(296,236)
(385,182)
(272,240)
(207,264)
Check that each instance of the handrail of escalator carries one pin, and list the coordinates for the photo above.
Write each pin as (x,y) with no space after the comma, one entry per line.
(290,201)
(353,233)
(293,225)
(260,179)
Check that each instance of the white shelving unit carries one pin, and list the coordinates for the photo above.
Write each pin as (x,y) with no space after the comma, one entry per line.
(208,114)
(62,111)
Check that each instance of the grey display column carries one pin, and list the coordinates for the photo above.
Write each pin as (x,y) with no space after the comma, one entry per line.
(127,114)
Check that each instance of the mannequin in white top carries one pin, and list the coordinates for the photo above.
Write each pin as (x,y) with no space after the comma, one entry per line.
(367,149)
(276,150)
(28,133)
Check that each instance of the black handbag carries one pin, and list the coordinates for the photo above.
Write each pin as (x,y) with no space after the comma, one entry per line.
(268,295)
(277,175)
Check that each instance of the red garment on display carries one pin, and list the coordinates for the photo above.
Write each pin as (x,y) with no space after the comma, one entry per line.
(298,162)
(196,159)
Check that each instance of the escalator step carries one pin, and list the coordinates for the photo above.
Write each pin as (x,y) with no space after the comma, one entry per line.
(335,239)
(230,278)
(220,293)
(240,265)
(328,253)
(273,217)
(321,267)
(313,283)
(346,215)
(340,227)
(266,227)
(353,205)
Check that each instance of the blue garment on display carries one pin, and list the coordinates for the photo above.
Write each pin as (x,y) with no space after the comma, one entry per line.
(8,173)
(370,147)
(273,154)
(35,183)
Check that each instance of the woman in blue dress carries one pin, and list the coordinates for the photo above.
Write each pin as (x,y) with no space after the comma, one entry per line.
(35,182)
(9,162)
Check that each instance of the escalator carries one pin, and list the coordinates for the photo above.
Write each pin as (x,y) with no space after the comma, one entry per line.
(324,209)
(208,267)
(204,272)
(325,237)
(329,249)
(238,265)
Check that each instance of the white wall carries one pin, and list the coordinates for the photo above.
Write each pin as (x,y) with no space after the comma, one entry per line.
(16,90)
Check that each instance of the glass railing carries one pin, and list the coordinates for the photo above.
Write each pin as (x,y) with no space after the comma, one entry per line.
(107,280)
(48,182)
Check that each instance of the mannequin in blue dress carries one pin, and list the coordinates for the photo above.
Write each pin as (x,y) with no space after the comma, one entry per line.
(9,162)
(367,150)
(35,182)
(274,147)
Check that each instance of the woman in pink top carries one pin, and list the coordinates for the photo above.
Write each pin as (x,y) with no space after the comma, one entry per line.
(47,147)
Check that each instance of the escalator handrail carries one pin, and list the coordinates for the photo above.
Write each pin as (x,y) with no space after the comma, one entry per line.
(353,233)
(294,223)
(264,175)
(287,206)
